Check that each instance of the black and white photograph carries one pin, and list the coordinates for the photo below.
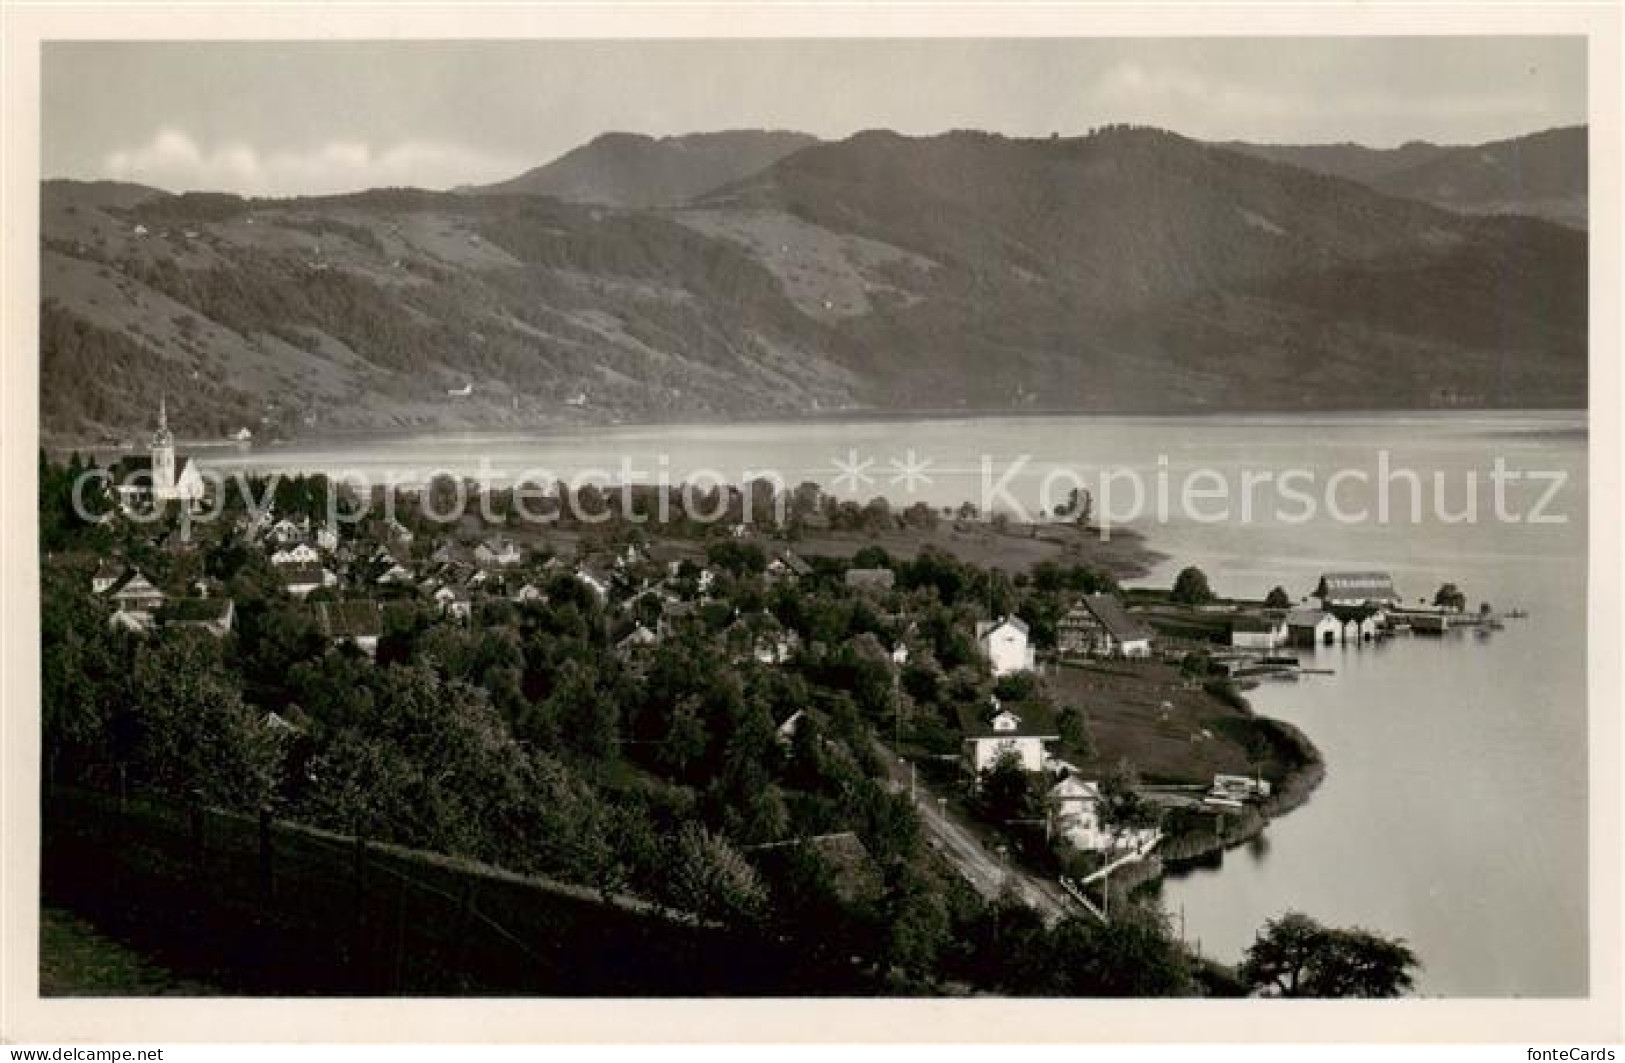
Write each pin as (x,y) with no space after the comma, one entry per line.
(1069,517)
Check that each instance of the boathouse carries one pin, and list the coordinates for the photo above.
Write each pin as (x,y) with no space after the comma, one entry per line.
(1312,627)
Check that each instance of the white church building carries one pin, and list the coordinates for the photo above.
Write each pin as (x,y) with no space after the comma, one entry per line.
(161,475)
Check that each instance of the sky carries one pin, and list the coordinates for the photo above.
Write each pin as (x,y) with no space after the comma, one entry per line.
(289,118)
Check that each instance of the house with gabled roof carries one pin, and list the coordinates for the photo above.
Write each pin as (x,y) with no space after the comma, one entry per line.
(301,580)
(106,577)
(1006,644)
(356,621)
(395,573)
(787,567)
(213,615)
(639,640)
(529,592)
(992,730)
(1073,808)
(1098,625)
(136,594)
(760,637)
(498,550)
(454,601)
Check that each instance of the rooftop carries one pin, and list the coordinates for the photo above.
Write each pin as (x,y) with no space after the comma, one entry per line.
(357,618)
(1032,720)
(1108,609)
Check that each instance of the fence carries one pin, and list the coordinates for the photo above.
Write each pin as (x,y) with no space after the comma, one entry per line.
(266,907)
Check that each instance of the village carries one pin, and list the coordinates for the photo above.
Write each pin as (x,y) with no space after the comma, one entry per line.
(1122,717)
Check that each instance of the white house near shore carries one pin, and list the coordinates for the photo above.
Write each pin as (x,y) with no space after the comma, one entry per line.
(1074,815)
(1006,645)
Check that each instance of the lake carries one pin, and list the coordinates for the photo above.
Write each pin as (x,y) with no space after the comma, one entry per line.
(1454,811)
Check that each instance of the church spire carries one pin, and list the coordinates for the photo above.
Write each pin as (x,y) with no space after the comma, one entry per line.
(162,437)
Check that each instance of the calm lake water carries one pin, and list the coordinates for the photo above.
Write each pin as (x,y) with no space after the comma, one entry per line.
(1454,808)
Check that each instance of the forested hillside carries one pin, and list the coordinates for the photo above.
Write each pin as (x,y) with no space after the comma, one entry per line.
(1131,269)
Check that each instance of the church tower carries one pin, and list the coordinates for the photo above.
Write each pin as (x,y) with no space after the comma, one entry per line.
(163,456)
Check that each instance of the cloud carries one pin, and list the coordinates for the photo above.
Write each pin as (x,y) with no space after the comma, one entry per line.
(175,160)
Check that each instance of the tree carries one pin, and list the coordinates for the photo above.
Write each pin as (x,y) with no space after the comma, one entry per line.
(1191,587)
(587,716)
(1074,728)
(1079,505)
(1006,790)
(710,878)
(1132,956)
(915,920)
(1121,807)
(195,734)
(1450,597)
(872,557)
(82,670)
(1294,956)
(1278,599)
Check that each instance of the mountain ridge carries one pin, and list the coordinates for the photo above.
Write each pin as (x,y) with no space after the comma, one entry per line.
(634,170)
(1542,174)
(1129,269)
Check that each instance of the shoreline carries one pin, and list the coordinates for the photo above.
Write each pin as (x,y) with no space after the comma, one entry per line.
(55,442)
(1293,793)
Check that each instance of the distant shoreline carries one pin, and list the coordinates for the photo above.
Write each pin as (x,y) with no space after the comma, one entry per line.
(334,436)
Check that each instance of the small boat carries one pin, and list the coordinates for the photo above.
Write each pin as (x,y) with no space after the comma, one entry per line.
(1516,614)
